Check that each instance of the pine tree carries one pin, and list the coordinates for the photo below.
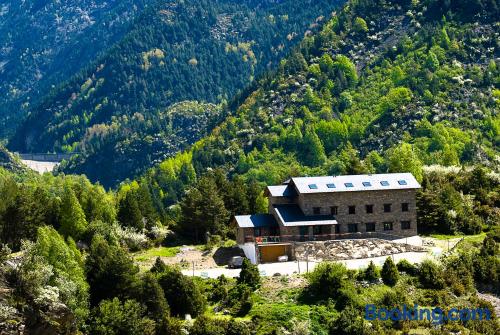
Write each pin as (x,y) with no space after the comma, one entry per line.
(129,213)
(313,152)
(249,274)
(371,272)
(390,274)
(72,221)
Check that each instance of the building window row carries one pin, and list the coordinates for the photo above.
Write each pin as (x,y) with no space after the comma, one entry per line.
(371,227)
(334,210)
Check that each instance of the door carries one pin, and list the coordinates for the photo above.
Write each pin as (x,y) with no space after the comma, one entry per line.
(270,253)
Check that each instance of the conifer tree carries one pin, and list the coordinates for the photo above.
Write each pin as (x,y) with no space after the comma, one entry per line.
(390,274)
(73,221)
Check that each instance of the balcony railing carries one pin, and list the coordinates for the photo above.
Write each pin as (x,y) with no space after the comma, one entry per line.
(320,237)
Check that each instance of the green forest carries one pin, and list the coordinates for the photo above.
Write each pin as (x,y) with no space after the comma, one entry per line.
(175,51)
(380,86)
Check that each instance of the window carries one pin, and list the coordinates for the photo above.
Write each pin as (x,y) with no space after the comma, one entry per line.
(352,227)
(387,225)
(370,226)
(387,208)
(349,184)
(402,182)
(257,232)
(337,229)
(317,230)
(274,231)
(369,209)
(367,184)
(384,183)
(352,209)
(313,186)
(404,207)
(316,210)
(334,210)
(303,230)
(330,185)
(405,225)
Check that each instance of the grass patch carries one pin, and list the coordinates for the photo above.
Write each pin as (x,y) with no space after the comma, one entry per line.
(149,254)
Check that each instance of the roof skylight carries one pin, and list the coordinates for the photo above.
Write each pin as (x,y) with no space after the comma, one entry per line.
(349,184)
(384,183)
(330,185)
(313,186)
(367,183)
(402,182)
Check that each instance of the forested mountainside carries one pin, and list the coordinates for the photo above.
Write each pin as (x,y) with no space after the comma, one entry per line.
(45,42)
(415,70)
(177,50)
(9,162)
(385,86)
(115,152)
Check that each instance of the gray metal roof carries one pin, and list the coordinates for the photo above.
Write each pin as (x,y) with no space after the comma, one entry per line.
(292,215)
(255,220)
(281,191)
(350,183)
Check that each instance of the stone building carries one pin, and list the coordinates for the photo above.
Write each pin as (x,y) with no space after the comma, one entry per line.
(327,208)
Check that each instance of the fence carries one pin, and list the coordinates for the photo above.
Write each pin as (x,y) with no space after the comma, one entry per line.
(322,237)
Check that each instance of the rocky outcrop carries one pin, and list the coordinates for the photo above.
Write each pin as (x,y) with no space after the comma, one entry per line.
(350,249)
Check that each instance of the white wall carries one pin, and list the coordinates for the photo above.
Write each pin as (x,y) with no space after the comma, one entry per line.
(249,250)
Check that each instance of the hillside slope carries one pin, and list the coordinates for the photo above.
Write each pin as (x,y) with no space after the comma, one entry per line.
(383,87)
(45,42)
(177,50)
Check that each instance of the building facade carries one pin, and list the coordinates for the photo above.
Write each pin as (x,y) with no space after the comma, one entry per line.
(327,208)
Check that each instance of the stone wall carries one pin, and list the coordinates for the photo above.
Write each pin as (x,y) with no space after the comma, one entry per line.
(360,199)
(350,249)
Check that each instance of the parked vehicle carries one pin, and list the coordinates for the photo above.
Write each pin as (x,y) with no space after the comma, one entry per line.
(236,262)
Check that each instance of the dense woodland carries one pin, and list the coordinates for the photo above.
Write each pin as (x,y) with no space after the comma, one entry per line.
(43,43)
(175,51)
(384,86)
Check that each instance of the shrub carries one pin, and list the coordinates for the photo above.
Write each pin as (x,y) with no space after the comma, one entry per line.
(249,274)
(390,274)
(327,279)
(114,317)
(349,322)
(183,295)
(430,275)
(371,273)
(406,267)
(239,300)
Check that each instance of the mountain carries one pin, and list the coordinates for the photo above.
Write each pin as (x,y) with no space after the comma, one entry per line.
(175,51)
(10,162)
(45,42)
(384,86)
(122,150)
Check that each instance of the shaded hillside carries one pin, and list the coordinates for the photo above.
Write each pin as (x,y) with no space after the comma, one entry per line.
(379,90)
(127,148)
(45,42)
(189,50)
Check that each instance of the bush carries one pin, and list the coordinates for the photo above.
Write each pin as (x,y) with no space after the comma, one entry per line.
(249,274)
(327,279)
(182,294)
(349,322)
(239,300)
(430,275)
(113,317)
(371,273)
(406,267)
(390,274)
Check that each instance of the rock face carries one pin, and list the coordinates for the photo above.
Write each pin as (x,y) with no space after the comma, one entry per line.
(350,249)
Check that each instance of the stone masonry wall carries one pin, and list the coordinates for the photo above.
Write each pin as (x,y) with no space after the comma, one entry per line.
(350,249)
(361,198)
